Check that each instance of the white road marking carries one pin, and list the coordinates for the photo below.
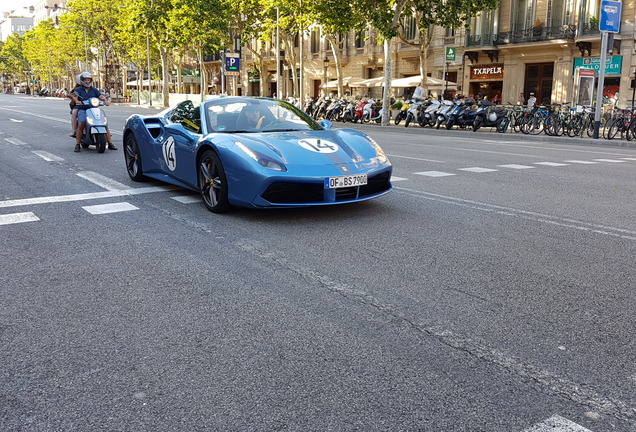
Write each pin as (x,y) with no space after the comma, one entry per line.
(414,158)
(15,141)
(187,199)
(630,159)
(515,166)
(85,196)
(103,181)
(583,162)
(47,156)
(57,119)
(16,120)
(554,164)
(478,169)
(395,178)
(524,214)
(15,218)
(434,174)
(110,208)
(556,423)
(609,160)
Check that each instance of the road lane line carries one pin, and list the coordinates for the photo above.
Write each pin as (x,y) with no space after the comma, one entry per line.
(15,141)
(609,160)
(415,158)
(103,181)
(524,214)
(553,164)
(556,423)
(49,157)
(85,196)
(478,169)
(187,199)
(15,218)
(515,166)
(110,208)
(582,162)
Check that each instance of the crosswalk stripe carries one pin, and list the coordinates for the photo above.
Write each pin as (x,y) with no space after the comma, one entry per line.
(15,141)
(434,174)
(554,164)
(582,162)
(110,208)
(609,160)
(478,169)
(15,218)
(394,178)
(515,166)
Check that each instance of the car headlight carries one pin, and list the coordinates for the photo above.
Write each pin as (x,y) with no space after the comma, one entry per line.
(263,160)
(382,157)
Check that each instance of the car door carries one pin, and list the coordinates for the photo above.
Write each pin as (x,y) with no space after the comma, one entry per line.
(175,146)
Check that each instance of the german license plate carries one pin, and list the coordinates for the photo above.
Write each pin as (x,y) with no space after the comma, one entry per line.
(345,181)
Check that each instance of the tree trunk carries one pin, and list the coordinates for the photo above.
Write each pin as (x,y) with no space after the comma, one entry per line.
(337,59)
(388,54)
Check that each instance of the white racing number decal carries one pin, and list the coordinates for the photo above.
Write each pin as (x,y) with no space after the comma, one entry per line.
(318,145)
(169,155)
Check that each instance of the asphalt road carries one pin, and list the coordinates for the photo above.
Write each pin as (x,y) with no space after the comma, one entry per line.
(492,290)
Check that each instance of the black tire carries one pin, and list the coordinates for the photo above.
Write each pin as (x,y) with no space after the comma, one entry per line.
(213,183)
(450,123)
(502,126)
(575,127)
(100,142)
(132,157)
(613,128)
(407,122)
(398,118)
(477,124)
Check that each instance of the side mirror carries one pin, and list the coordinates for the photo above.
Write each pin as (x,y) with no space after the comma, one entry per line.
(326,124)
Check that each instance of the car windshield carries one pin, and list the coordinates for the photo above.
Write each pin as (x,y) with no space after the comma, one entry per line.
(247,115)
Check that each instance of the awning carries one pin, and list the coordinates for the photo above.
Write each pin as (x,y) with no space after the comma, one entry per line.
(431,83)
(371,82)
(334,83)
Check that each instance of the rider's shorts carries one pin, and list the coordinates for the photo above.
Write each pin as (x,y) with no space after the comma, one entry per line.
(81,116)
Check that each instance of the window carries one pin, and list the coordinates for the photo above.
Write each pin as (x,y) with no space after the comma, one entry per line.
(315,41)
(409,24)
(187,115)
(360,36)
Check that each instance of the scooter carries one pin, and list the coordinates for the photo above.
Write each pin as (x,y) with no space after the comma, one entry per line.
(403,112)
(486,115)
(96,130)
(428,117)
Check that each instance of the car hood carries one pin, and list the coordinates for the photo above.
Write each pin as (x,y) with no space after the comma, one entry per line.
(315,147)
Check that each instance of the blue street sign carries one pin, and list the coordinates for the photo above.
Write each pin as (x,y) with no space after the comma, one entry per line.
(610,16)
(232,64)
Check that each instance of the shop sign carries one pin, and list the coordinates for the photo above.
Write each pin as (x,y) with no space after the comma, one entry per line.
(253,77)
(613,64)
(487,72)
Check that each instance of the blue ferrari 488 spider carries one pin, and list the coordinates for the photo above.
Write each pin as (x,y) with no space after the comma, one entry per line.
(255,152)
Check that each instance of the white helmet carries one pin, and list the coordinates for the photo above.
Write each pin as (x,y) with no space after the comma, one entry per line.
(85,75)
(492,117)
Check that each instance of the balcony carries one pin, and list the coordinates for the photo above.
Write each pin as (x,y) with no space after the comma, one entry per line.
(590,29)
(486,40)
(536,35)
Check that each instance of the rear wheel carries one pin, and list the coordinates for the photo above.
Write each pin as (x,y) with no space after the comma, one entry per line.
(477,123)
(213,183)
(132,156)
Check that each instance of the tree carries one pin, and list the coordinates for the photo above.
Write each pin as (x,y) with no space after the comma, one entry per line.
(337,18)
(449,14)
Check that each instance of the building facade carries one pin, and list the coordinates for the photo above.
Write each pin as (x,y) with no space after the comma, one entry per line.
(522,47)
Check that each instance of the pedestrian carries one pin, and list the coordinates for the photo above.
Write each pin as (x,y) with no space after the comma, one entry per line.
(521,100)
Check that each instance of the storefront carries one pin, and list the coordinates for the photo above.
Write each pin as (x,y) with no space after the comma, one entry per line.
(486,81)
(583,69)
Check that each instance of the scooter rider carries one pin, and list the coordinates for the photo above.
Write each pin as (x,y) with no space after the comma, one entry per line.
(85,92)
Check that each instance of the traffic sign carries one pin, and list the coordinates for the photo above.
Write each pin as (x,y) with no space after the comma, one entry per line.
(610,16)
(232,64)
(450,53)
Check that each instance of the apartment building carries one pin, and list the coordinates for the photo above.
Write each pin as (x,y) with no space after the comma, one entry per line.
(524,46)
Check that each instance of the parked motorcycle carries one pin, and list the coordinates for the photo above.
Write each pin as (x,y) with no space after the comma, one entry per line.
(96,130)
(443,113)
(371,112)
(427,116)
(413,113)
(403,112)
(487,115)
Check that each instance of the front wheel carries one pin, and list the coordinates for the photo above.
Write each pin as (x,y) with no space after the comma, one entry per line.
(132,156)
(100,142)
(407,122)
(213,183)
(477,124)
(398,118)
